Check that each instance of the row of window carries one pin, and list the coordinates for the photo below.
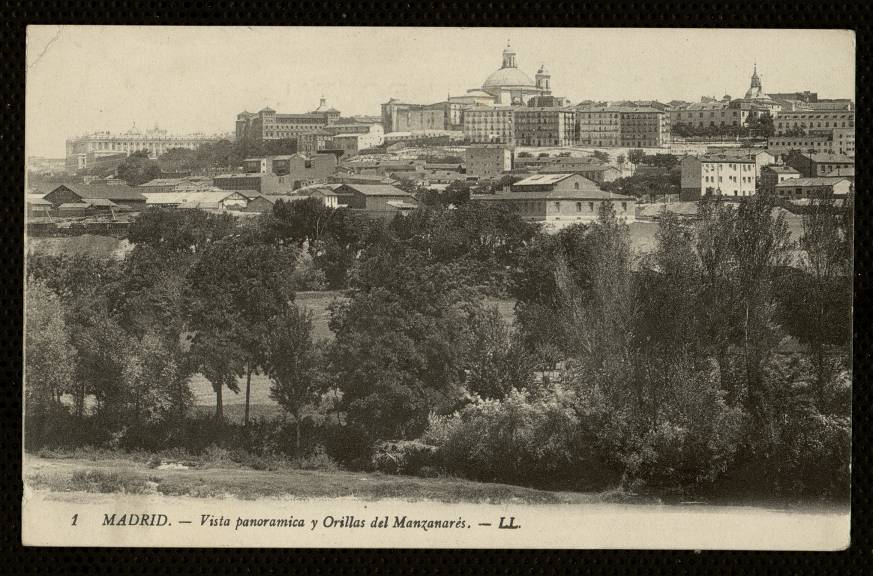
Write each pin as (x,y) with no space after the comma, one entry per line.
(742,179)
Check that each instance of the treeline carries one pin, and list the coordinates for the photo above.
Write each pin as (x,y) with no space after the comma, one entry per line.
(719,362)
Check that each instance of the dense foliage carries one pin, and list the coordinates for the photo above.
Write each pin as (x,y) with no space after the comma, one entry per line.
(716,363)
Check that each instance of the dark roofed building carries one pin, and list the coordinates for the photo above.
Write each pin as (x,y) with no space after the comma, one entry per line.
(375,199)
(75,193)
(821,164)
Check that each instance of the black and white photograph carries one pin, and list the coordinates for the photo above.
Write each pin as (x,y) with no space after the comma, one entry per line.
(395,287)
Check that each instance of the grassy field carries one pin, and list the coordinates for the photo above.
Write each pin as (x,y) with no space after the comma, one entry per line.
(122,474)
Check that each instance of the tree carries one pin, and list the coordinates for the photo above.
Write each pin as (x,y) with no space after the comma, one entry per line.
(103,349)
(49,357)
(291,363)
(827,262)
(635,156)
(759,247)
(236,287)
(171,230)
(620,160)
(401,343)
(602,155)
(497,360)
(138,169)
(179,160)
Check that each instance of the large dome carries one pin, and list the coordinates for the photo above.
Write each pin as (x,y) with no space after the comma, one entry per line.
(505,77)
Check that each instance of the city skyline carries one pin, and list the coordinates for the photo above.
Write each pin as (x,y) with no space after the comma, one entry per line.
(198,79)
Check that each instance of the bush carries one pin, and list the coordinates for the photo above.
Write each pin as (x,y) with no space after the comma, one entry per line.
(526,438)
(403,457)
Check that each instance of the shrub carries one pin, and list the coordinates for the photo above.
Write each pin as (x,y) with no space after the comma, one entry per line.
(525,438)
(403,456)
(317,459)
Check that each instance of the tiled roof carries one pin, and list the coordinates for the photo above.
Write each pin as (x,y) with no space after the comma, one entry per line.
(590,194)
(542,179)
(109,191)
(727,157)
(825,157)
(819,181)
(161,182)
(378,190)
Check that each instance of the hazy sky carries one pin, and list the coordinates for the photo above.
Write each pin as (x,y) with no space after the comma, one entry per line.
(86,78)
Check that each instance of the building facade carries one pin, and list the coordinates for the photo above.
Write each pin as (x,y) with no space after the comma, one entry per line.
(89,151)
(776,174)
(598,126)
(489,125)
(798,188)
(488,161)
(815,165)
(718,174)
(644,128)
(400,116)
(560,200)
(813,122)
(267,124)
(544,126)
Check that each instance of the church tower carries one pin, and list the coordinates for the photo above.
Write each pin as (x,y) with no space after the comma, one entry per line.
(509,57)
(543,79)
(755,89)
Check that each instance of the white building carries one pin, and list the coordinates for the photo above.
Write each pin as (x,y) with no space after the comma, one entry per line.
(723,174)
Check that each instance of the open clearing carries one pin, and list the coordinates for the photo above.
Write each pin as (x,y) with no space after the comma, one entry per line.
(129,476)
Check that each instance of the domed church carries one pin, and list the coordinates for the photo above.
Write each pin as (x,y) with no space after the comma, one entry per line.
(508,85)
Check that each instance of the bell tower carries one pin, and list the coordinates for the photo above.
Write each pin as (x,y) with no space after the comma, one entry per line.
(543,79)
(509,57)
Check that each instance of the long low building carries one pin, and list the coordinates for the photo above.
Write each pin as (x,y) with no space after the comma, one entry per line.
(796,188)
(560,200)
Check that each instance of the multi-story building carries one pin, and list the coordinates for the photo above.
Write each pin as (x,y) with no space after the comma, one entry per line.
(84,152)
(722,174)
(781,145)
(313,142)
(814,165)
(844,141)
(560,200)
(813,122)
(776,174)
(400,116)
(598,126)
(269,125)
(488,161)
(545,126)
(353,137)
(839,141)
(489,125)
(299,167)
(642,127)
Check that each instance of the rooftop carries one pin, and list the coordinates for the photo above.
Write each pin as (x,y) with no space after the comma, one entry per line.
(781,169)
(588,194)
(378,190)
(824,157)
(819,181)
(109,191)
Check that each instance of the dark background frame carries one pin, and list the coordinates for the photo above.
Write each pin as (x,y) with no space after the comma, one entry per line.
(743,14)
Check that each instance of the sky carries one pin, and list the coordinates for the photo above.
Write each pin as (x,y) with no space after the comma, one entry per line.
(81,79)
